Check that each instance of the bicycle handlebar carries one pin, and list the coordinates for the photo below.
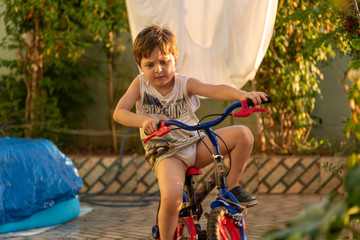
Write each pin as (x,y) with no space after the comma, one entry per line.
(244,112)
(251,103)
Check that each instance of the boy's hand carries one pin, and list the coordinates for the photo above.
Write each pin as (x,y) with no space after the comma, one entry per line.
(256,97)
(149,125)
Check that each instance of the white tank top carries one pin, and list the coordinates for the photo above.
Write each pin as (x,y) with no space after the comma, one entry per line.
(175,106)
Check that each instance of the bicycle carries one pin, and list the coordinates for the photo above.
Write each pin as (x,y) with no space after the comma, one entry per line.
(226,220)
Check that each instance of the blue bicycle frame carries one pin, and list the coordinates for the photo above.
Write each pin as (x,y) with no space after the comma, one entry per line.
(224,193)
(224,197)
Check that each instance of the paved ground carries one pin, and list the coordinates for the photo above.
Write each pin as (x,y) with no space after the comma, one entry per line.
(136,222)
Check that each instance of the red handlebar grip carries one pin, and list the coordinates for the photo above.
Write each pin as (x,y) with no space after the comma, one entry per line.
(245,111)
(159,133)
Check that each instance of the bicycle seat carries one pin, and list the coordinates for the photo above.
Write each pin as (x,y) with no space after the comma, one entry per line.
(193,171)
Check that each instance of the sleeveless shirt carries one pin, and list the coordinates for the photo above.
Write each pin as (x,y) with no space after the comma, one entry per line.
(174,106)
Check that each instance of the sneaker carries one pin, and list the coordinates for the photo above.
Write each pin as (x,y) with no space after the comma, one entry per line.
(243,197)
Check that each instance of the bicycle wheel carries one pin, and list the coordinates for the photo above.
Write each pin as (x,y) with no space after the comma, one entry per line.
(220,225)
(185,229)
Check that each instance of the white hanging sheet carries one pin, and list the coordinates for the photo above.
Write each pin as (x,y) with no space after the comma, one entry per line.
(219,41)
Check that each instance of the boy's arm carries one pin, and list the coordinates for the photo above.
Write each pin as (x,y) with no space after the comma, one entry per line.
(222,92)
(123,115)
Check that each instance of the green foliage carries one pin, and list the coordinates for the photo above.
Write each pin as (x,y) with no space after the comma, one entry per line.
(289,72)
(46,86)
(314,221)
(334,169)
(331,217)
(352,37)
(115,22)
(12,95)
(328,147)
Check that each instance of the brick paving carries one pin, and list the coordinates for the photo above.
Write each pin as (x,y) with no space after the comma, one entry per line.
(136,222)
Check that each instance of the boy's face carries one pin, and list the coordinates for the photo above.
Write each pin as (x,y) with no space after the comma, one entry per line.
(159,69)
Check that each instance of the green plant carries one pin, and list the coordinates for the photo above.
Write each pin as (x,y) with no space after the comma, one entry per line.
(115,22)
(50,38)
(289,72)
(332,216)
(12,95)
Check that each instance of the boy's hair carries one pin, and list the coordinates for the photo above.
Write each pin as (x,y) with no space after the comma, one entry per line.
(151,37)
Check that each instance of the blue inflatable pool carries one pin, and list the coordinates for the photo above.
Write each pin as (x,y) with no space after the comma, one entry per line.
(38,185)
(58,214)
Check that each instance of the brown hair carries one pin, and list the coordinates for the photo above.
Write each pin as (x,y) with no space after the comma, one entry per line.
(151,37)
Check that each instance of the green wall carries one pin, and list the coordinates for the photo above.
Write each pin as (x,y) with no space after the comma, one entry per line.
(333,107)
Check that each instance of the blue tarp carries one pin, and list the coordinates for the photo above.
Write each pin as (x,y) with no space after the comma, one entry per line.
(34,175)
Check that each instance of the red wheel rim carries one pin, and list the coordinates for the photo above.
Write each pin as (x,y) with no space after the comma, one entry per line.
(227,229)
(191,227)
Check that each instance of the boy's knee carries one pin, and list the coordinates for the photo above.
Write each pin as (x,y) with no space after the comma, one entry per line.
(172,196)
(245,134)
(171,201)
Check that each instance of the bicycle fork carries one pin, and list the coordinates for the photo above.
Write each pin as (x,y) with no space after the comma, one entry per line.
(226,199)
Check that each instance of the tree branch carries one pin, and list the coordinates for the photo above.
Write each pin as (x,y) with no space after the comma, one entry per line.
(357,11)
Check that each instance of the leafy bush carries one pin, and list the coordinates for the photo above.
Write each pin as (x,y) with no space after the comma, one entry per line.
(301,41)
(46,87)
(329,218)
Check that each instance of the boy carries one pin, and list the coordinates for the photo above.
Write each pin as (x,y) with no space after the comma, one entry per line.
(161,94)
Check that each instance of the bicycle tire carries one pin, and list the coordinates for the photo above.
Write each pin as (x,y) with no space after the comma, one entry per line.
(220,225)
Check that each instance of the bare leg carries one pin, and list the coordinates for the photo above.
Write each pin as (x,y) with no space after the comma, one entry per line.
(239,140)
(171,177)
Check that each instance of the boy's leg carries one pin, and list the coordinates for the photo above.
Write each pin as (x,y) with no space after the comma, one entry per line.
(239,140)
(171,177)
